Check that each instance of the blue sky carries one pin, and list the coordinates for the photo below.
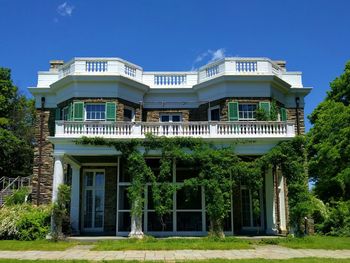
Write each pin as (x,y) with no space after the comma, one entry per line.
(313,36)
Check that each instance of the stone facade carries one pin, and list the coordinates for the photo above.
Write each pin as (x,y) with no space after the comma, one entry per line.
(292,116)
(153,115)
(47,157)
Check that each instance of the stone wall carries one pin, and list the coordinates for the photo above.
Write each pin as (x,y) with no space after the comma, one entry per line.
(153,115)
(47,157)
(292,116)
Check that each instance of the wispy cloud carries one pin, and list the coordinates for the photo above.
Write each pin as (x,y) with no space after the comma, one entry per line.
(65,9)
(208,56)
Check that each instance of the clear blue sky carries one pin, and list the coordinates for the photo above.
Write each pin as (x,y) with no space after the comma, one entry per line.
(313,36)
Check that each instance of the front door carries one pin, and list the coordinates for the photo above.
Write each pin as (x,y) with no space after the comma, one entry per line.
(94,195)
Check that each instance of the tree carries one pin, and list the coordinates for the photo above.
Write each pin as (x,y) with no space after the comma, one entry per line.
(16,129)
(329,142)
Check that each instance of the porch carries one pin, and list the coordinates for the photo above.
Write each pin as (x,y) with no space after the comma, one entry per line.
(100,205)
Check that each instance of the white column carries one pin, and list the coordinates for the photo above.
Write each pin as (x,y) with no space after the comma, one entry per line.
(270,203)
(75,199)
(282,203)
(58,176)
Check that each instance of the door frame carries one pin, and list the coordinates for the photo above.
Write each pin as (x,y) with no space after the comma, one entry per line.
(99,229)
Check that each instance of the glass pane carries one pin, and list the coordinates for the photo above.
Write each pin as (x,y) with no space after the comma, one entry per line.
(164,118)
(176,118)
(215,115)
(89,179)
(99,219)
(99,180)
(124,221)
(246,208)
(88,209)
(155,223)
(189,221)
(124,203)
(127,115)
(187,198)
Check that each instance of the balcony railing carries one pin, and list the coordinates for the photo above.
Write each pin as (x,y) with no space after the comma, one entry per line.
(237,129)
(116,66)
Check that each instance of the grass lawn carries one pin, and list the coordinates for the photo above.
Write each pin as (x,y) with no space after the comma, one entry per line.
(311,242)
(35,245)
(150,243)
(299,260)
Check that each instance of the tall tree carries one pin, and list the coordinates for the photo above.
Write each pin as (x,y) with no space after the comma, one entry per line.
(16,129)
(329,142)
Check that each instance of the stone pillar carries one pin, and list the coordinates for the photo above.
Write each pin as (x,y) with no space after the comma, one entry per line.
(75,199)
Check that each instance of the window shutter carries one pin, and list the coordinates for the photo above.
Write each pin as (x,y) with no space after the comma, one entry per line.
(70,113)
(58,114)
(283,114)
(265,105)
(78,111)
(233,111)
(111,108)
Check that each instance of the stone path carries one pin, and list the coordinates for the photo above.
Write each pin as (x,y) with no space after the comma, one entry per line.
(84,252)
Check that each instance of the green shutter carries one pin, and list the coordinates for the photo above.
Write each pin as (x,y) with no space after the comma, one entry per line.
(111,108)
(58,114)
(78,111)
(265,105)
(283,114)
(233,111)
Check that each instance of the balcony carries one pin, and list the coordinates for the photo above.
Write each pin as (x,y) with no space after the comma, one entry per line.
(209,130)
(186,79)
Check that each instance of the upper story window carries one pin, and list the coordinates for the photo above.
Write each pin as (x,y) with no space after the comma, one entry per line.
(214,113)
(65,114)
(129,114)
(95,112)
(170,117)
(247,111)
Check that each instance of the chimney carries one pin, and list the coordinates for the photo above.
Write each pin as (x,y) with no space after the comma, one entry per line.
(55,64)
(281,63)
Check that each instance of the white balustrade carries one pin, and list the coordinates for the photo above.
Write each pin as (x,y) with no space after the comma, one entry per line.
(238,129)
(130,71)
(246,66)
(96,66)
(170,79)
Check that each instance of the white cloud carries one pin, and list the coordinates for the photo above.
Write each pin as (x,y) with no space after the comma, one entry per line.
(65,9)
(209,56)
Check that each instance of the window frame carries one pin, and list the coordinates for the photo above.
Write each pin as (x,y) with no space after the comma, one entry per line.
(213,108)
(85,111)
(254,112)
(170,114)
(132,113)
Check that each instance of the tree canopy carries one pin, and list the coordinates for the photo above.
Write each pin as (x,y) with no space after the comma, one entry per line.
(329,142)
(16,129)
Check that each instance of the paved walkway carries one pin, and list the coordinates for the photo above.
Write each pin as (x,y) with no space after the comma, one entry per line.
(84,252)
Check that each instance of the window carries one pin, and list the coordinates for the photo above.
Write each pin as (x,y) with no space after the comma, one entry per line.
(214,113)
(95,112)
(249,219)
(65,113)
(247,111)
(170,117)
(128,114)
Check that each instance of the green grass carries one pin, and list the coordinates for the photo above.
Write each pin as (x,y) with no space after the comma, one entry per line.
(150,243)
(35,245)
(296,260)
(311,242)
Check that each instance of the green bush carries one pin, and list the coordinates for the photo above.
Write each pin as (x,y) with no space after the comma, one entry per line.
(18,196)
(337,221)
(24,222)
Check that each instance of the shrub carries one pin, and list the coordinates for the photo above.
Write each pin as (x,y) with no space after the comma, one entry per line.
(18,196)
(337,222)
(24,222)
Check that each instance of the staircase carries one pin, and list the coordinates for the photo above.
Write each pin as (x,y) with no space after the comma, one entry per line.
(8,185)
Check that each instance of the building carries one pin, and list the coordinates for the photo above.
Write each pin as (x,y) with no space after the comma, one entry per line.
(113,98)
